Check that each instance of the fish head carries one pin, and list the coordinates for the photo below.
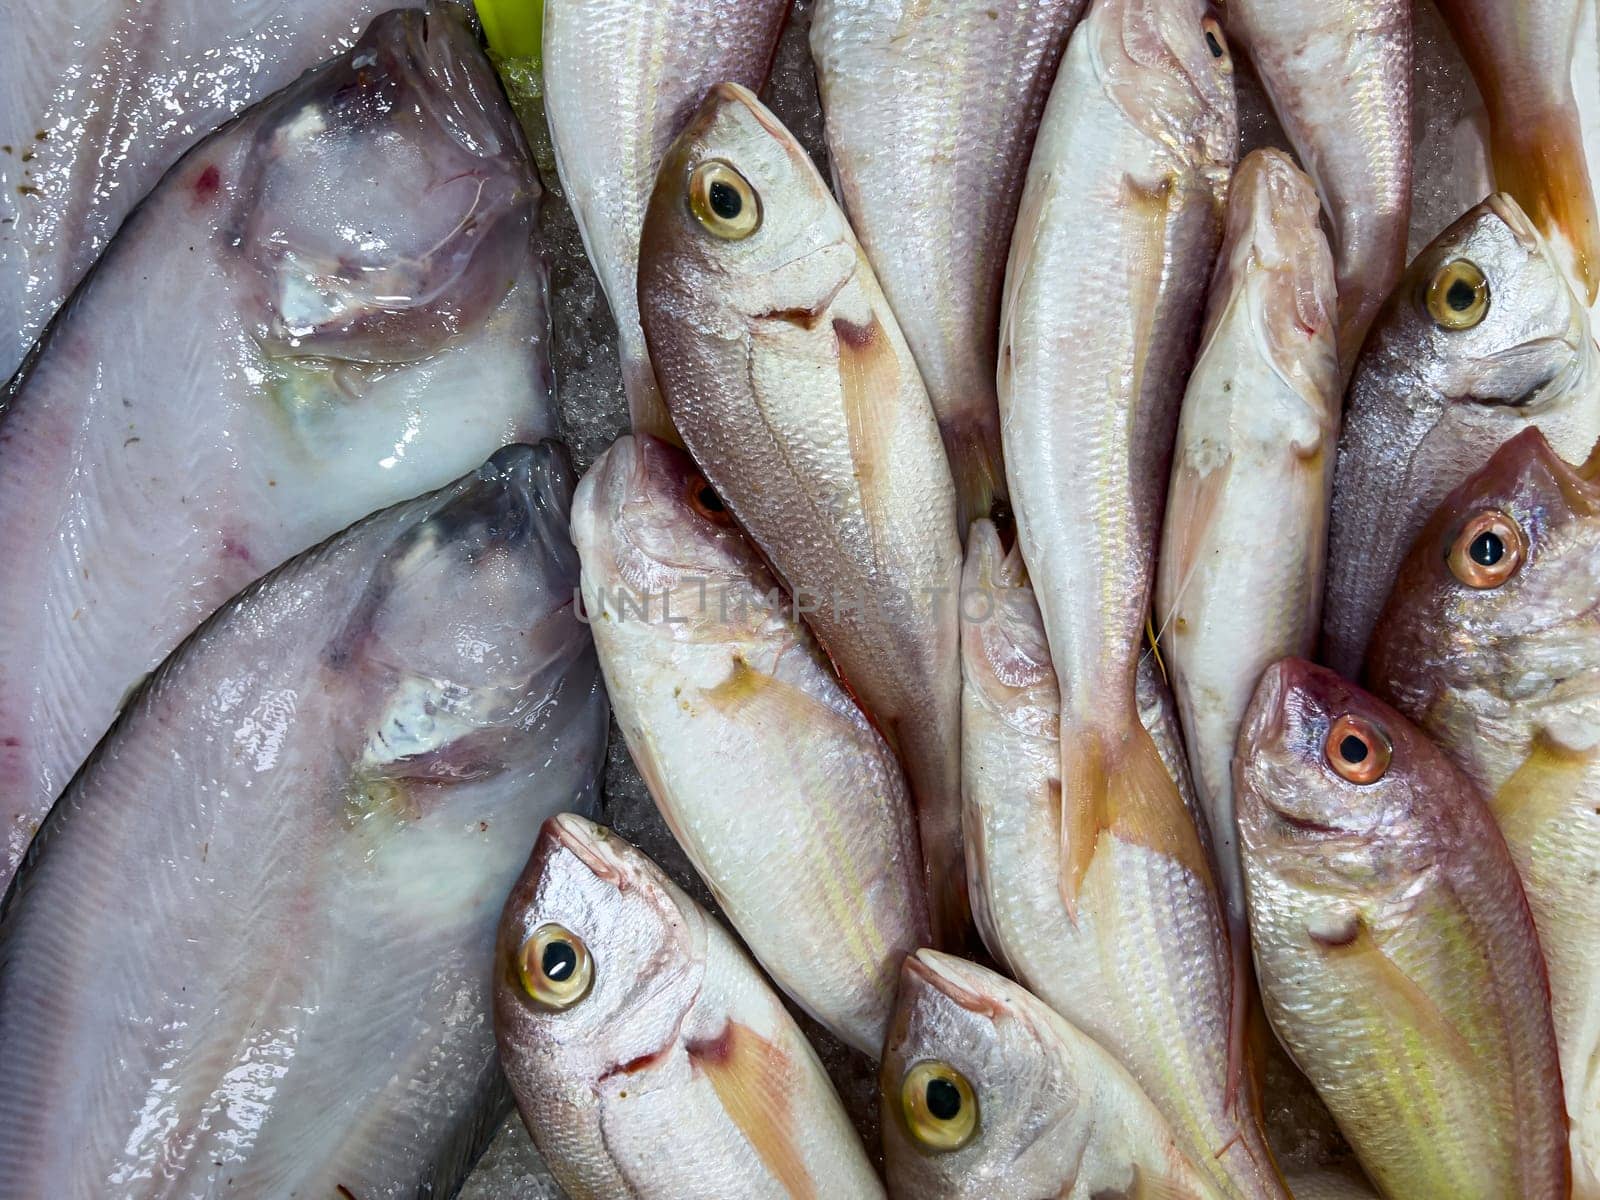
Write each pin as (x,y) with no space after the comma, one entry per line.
(598,960)
(740,228)
(1005,658)
(1495,609)
(1485,316)
(1339,796)
(1167,65)
(973,1086)
(465,644)
(386,208)
(645,519)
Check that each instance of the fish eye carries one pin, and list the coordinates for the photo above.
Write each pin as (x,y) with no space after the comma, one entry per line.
(1358,750)
(1216,42)
(1488,551)
(704,500)
(555,968)
(1458,295)
(723,201)
(939,1107)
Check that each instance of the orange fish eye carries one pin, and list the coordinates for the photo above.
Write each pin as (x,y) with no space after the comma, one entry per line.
(1488,551)
(703,498)
(1357,750)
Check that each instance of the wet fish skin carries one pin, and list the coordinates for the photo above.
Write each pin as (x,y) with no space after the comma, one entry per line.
(679,1074)
(931,111)
(789,380)
(1397,956)
(1118,228)
(1146,920)
(282,871)
(98,99)
(1058,1116)
(789,804)
(621,81)
(1506,679)
(156,458)
(1244,541)
(1521,56)
(1338,73)
(1427,404)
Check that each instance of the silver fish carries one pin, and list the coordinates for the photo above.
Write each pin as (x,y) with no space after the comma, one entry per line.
(648,1056)
(1143,964)
(99,97)
(328,306)
(1339,75)
(789,804)
(931,110)
(1119,225)
(989,1095)
(1482,339)
(1239,582)
(1397,957)
(250,952)
(1521,55)
(791,384)
(621,80)
(1491,643)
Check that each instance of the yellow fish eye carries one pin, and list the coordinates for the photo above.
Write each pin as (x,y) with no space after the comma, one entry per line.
(723,201)
(939,1107)
(1488,551)
(1217,44)
(555,967)
(1458,295)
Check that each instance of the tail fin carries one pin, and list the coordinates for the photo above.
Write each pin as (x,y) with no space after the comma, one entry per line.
(1543,165)
(1114,783)
(980,477)
(646,406)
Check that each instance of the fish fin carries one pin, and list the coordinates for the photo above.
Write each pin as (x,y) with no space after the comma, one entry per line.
(1398,991)
(1120,787)
(1544,167)
(750,1076)
(1541,787)
(1142,1186)
(869,382)
(1191,510)
(1239,1010)
(756,695)
(973,448)
(647,408)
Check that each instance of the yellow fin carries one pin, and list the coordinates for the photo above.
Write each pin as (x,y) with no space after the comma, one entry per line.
(1148,1187)
(1191,510)
(751,1077)
(869,380)
(1123,790)
(1396,990)
(755,696)
(1540,788)
(1544,166)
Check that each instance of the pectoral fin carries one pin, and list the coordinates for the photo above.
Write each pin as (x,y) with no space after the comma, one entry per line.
(750,1076)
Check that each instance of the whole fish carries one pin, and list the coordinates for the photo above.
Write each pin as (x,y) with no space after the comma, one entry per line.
(99,97)
(788,378)
(1143,965)
(1239,580)
(789,804)
(1397,957)
(328,306)
(1491,643)
(931,110)
(1521,56)
(621,80)
(1119,225)
(1482,338)
(987,1094)
(1338,73)
(648,1056)
(281,873)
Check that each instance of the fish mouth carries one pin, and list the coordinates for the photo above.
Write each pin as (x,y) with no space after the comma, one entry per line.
(591,844)
(948,977)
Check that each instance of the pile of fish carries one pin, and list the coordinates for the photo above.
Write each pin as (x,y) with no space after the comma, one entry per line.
(1118,642)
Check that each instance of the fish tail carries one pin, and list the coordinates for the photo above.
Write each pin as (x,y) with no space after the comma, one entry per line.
(1114,783)
(646,407)
(980,476)
(1544,167)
